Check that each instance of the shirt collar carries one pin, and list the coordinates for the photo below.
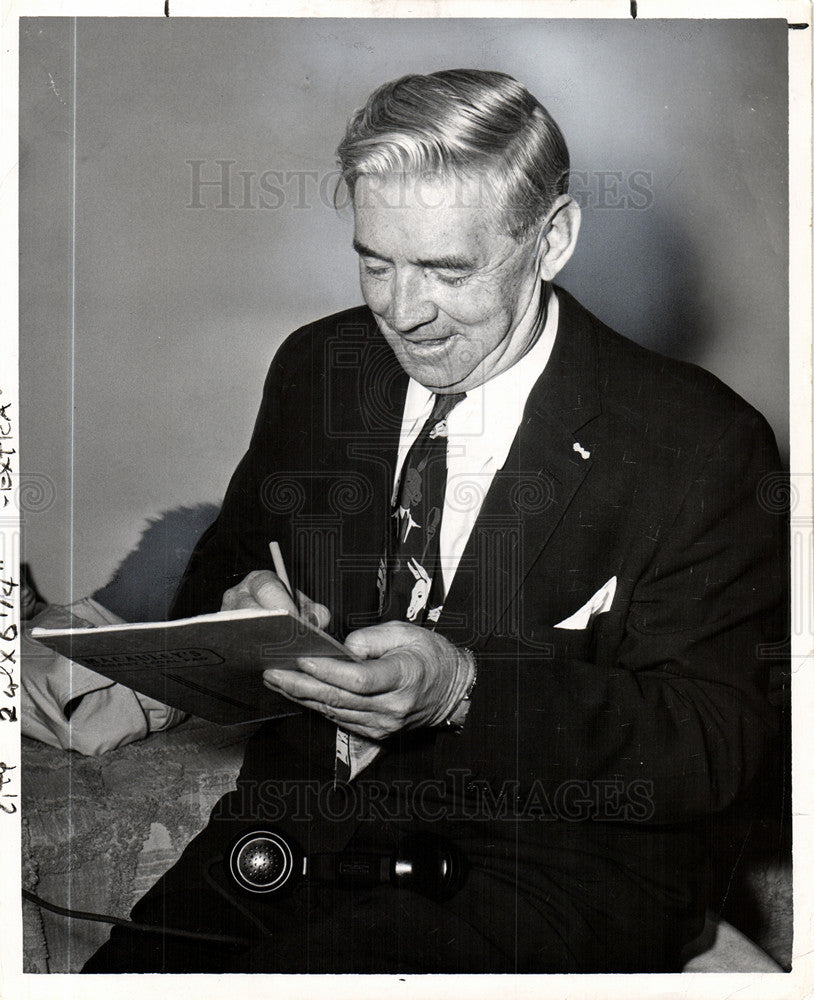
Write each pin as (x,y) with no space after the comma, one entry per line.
(485,423)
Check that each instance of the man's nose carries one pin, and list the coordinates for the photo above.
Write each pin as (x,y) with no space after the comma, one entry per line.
(411,304)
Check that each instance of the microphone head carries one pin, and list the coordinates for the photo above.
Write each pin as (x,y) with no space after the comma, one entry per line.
(430,865)
(263,861)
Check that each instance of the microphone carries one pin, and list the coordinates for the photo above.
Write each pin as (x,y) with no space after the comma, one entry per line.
(264,861)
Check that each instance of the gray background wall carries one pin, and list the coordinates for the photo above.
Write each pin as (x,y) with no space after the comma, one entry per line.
(147,324)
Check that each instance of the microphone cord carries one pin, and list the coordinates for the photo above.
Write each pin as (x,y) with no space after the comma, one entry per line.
(133,925)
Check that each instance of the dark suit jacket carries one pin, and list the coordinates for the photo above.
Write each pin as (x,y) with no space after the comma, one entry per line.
(664,493)
(591,758)
(626,465)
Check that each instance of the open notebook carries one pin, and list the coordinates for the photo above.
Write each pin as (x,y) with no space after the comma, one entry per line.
(209,666)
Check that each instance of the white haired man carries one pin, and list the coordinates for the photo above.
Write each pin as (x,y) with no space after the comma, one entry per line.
(544,546)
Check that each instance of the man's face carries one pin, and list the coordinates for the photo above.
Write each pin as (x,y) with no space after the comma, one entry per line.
(447,284)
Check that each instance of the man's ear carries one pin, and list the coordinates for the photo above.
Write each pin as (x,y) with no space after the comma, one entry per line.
(558,237)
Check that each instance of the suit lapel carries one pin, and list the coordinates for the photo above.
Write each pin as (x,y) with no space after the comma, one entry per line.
(369,459)
(530,494)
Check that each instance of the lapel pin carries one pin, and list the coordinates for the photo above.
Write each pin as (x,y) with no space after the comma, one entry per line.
(582,451)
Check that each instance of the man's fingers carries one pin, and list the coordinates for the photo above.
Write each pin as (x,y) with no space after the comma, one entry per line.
(232,598)
(371,721)
(359,678)
(376,640)
(264,589)
(268,591)
(298,686)
(260,589)
(317,613)
(305,687)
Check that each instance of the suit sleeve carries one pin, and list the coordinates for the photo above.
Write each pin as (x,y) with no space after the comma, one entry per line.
(673,713)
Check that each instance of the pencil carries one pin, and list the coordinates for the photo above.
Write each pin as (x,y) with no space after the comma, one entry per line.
(279,567)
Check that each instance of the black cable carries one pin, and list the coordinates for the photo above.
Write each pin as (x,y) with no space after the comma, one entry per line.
(231,898)
(134,925)
(446,887)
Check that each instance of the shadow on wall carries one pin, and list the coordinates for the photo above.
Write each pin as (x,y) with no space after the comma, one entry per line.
(142,587)
(645,282)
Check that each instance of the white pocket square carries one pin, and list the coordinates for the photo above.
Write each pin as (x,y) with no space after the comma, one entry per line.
(601,601)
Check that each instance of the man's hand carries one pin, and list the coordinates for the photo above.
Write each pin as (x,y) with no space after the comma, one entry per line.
(409,677)
(264,589)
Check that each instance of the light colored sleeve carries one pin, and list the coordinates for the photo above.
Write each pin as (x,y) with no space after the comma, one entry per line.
(108,715)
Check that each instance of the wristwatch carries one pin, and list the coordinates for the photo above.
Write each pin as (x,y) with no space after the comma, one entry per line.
(457,717)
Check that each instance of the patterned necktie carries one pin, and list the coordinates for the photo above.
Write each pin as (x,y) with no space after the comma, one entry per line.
(410,581)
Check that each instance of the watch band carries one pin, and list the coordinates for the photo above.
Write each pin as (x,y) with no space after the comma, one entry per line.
(457,717)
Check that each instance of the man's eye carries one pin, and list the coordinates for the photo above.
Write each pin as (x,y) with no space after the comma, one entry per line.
(375,270)
(453,280)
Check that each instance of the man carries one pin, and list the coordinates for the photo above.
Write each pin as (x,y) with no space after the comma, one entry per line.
(556,623)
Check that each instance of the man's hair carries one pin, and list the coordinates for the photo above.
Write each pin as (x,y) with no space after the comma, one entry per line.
(462,122)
